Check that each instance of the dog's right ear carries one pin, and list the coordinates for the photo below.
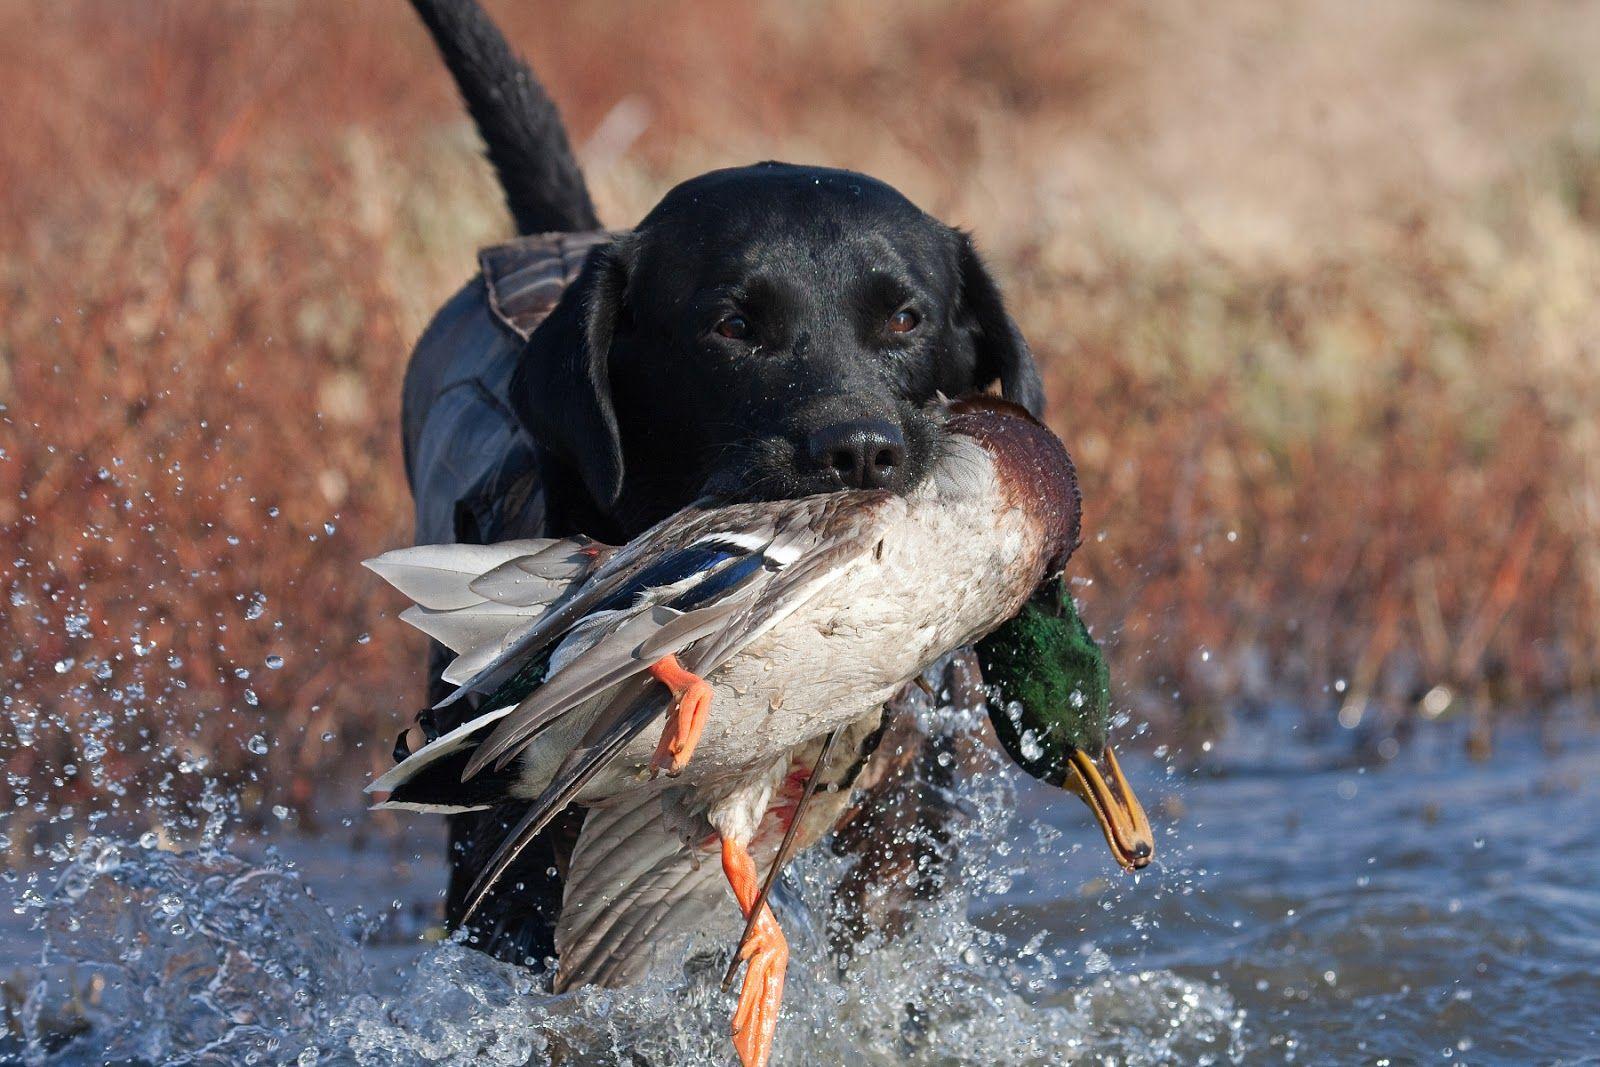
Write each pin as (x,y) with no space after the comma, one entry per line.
(561,390)
(1003,353)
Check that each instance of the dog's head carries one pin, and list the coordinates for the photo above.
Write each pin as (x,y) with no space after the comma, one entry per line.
(766,332)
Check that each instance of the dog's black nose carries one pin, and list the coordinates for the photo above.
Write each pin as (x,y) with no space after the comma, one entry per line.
(864,453)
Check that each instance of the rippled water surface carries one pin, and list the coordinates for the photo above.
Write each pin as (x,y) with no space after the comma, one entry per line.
(1305,909)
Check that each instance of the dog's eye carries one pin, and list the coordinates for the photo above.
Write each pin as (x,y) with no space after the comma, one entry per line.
(733,327)
(903,321)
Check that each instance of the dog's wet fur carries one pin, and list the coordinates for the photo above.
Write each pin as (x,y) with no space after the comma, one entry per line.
(767,331)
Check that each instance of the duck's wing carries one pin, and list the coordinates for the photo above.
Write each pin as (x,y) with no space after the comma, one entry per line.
(636,705)
(815,547)
(536,587)
(509,605)
(634,893)
(662,555)
(761,563)
(498,605)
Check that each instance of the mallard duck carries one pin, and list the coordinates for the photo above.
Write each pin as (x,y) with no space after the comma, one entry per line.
(768,635)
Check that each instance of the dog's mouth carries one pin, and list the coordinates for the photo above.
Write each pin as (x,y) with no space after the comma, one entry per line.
(759,468)
(790,465)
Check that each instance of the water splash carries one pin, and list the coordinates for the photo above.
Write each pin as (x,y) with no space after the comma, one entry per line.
(199,958)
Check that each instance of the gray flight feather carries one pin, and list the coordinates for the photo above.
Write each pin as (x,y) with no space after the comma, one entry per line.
(439,576)
(640,893)
(466,629)
(538,579)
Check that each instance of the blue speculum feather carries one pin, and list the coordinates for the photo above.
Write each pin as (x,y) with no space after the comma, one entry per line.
(715,585)
(668,570)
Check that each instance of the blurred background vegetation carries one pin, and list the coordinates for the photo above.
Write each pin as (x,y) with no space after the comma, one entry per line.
(1314,285)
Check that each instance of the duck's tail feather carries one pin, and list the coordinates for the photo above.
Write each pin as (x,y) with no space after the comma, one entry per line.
(540,578)
(620,578)
(473,658)
(466,629)
(438,788)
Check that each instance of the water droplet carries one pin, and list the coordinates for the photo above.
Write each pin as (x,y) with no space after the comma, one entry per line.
(274,663)
(1031,750)
(257,744)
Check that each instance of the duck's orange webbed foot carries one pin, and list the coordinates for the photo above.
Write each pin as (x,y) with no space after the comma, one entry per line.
(755,1021)
(691,706)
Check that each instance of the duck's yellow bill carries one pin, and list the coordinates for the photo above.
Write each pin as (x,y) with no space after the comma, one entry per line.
(1116,809)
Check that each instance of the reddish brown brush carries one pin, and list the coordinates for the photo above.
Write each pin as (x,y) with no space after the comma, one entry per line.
(1326,359)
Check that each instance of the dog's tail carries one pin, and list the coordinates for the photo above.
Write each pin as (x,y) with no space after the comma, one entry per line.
(521,129)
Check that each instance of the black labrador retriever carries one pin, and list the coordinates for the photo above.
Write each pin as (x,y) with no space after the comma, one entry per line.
(767,331)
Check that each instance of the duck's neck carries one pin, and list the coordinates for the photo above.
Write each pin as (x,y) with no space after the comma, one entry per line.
(1035,472)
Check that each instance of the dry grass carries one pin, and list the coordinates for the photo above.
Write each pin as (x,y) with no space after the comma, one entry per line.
(1316,285)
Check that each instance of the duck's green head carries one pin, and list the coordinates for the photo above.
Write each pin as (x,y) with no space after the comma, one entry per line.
(1053,713)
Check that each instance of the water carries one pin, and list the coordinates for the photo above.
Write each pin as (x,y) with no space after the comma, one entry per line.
(1429,910)
(1304,909)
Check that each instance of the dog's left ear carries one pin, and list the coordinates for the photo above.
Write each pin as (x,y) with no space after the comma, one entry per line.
(561,389)
(1002,351)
